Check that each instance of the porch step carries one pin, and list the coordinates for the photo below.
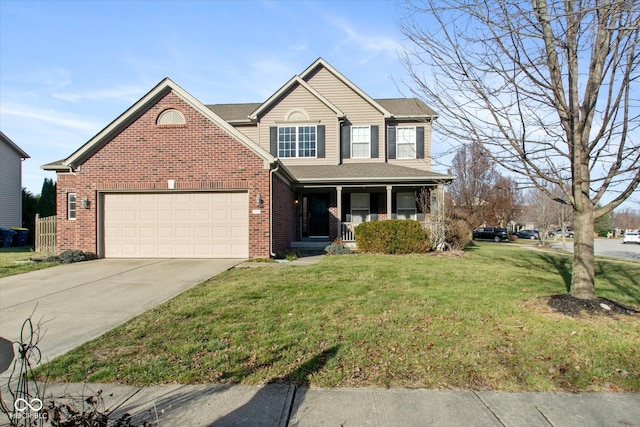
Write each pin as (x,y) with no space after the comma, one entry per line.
(311,247)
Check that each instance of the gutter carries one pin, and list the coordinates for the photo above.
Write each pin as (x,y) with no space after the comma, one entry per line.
(271,172)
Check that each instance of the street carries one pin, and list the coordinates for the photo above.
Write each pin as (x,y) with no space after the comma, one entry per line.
(605,247)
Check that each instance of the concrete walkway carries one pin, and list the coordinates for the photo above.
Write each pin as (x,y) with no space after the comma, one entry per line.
(79,302)
(283,405)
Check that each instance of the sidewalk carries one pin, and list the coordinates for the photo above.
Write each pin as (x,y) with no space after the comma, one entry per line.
(282,405)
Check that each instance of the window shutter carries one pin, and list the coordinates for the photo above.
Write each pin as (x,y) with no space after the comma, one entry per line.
(320,152)
(375,149)
(420,142)
(391,141)
(345,143)
(273,141)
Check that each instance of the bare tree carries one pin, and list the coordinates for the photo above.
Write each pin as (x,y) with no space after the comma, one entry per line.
(475,174)
(550,89)
(627,219)
(542,211)
(505,201)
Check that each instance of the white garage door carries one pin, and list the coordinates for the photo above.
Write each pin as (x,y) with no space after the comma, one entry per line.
(176,225)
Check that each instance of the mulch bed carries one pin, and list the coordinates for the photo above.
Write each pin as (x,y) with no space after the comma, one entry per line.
(576,307)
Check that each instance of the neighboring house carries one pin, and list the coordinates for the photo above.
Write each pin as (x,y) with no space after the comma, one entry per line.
(172,177)
(11,157)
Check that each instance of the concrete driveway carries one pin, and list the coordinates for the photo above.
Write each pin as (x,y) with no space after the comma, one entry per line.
(78,302)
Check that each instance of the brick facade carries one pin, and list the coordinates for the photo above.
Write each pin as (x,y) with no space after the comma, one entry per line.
(199,156)
(284,216)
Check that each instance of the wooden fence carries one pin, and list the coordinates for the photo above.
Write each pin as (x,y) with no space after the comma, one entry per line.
(45,237)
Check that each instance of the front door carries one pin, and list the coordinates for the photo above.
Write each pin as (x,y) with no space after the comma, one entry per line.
(317,215)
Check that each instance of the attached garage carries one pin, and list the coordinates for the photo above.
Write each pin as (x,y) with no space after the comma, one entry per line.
(176,225)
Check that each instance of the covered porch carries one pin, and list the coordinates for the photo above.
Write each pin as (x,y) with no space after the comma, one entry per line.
(332,200)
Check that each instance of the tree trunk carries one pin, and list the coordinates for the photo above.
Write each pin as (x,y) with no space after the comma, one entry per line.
(583,275)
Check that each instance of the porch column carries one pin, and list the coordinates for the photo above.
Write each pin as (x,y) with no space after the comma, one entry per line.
(389,201)
(339,210)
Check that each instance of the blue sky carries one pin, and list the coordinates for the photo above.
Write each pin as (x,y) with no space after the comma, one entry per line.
(68,68)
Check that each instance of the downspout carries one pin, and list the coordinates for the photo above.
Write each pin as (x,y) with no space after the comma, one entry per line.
(271,172)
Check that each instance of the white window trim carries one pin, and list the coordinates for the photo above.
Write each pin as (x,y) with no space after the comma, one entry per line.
(75,206)
(368,156)
(297,142)
(413,144)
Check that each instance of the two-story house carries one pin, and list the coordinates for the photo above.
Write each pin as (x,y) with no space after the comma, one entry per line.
(172,177)
(11,158)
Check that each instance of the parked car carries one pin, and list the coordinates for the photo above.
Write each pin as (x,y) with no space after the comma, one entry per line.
(558,233)
(528,234)
(631,237)
(491,233)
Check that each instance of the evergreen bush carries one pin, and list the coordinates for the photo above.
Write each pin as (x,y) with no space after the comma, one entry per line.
(399,236)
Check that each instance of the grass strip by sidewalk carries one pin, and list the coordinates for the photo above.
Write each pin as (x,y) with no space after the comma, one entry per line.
(16,261)
(475,322)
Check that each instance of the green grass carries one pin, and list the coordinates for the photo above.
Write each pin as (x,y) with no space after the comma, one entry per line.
(474,322)
(15,261)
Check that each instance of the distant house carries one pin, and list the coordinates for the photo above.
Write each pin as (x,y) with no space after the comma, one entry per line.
(173,177)
(11,157)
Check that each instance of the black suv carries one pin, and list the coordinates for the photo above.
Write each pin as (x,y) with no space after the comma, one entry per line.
(491,233)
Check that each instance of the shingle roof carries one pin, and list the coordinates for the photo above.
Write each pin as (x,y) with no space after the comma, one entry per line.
(369,172)
(406,107)
(399,107)
(234,112)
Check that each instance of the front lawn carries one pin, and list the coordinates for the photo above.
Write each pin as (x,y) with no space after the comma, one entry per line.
(480,321)
(16,261)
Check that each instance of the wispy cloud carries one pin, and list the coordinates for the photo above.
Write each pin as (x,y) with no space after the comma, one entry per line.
(66,120)
(123,93)
(370,41)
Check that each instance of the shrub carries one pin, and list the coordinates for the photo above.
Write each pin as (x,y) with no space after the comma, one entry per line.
(68,257)
(397,236)
(289,254)
(457,234)
(338,248)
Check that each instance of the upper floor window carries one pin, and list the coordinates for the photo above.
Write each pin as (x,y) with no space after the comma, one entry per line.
(297,141)
(406,142)
(360,142)
(71,206)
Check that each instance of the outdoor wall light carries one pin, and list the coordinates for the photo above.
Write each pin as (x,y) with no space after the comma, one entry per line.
(258,201)
(86,204)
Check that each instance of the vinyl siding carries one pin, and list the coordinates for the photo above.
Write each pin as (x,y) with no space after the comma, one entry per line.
(251,131)
(298,98)
(358,110)
(10,187)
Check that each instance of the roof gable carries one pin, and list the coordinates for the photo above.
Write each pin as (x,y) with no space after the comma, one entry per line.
(320,62)
(4,138)
(302,80)
(295,80)
(146,102)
